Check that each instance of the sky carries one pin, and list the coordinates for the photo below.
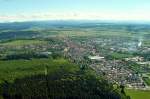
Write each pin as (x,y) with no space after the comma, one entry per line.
(28,10)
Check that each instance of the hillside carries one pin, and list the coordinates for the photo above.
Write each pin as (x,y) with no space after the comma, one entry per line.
(57,78)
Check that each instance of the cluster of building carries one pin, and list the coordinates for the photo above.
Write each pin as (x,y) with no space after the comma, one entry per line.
(92,52)
(116,71)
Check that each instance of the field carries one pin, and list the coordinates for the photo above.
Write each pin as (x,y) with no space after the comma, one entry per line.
(119,55)
(147,80)
(21,42)
(11,70)
(138,94)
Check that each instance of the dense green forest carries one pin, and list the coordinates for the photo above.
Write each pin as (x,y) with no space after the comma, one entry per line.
(53,78)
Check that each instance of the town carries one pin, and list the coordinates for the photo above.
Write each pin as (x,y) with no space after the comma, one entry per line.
(115,59)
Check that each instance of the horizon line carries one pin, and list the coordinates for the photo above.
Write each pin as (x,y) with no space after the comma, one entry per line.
(83,20)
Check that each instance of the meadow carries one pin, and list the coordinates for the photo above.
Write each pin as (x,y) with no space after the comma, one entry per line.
(22,42)
(138,94)
(13,69)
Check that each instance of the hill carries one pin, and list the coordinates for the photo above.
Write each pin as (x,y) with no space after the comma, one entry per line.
(52,78)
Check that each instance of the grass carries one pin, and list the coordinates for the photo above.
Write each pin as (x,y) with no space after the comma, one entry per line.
(10,70)
(116,55)
(147,80)
(146,43)
(22,42)
(138,94)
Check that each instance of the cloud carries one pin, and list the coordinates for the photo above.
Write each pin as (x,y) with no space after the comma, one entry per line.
(6,0)
(77,16)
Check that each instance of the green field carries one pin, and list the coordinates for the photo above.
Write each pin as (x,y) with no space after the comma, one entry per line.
(138,94)
(11,70)
(147,80)
(116,55)
(22,42)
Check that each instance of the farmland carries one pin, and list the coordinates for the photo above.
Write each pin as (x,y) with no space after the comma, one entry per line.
(138,94)
(11,70)
(21,42)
